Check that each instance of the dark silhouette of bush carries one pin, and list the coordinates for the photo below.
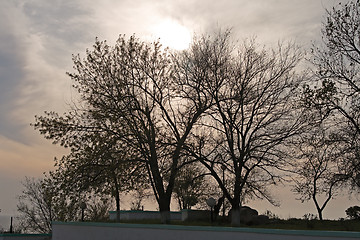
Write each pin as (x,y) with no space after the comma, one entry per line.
(353,212)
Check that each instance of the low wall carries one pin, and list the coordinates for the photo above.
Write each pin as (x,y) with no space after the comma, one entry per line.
(118,231)
(183,215)
(12,236)
(195,215)
(140,215)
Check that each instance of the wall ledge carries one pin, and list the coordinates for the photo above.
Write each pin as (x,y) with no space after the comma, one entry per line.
(218,229)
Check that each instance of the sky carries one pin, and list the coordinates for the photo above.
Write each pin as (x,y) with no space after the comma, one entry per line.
(38,38)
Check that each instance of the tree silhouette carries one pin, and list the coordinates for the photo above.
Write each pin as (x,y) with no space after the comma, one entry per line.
(131,93)
(255,113)
(335,91)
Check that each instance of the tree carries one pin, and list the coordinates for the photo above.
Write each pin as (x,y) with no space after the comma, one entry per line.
(38,206)
(254,114)
(208,104)
(191,187)
(316,168)
(42,202)
(138,195)
(133,93)
(335,92)
(100,167)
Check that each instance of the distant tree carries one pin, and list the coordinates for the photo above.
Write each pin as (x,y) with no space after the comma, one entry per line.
(353,212)
(191,187)
(39,206)
(335,92)
(255,112)
(97,208)
(316,167)
(138,195)
(42,202)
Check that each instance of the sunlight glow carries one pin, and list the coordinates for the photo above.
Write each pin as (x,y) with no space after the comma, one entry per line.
(172,34)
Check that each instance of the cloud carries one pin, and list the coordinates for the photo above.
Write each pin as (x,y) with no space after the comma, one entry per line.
(38,38)
(10,61)
(269,20)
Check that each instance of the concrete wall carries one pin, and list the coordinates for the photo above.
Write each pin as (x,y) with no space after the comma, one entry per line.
(195,215)
(184,215)
(118,231)
(139,215)
(9,236)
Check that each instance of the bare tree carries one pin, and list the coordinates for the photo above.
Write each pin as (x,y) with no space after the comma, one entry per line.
(253,116)
(191,187)
(335,92)
(43,202)
(39,206)
(316,168)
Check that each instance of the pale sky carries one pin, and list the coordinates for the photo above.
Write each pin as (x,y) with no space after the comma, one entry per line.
(38,37)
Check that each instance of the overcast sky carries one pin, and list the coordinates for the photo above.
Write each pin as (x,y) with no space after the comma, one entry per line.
(37,38)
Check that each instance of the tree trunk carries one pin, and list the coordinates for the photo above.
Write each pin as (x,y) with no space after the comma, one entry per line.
(117,199)
(164,206)
(235,217)
(165,217)
(117,208)
(320,214)
(218,206)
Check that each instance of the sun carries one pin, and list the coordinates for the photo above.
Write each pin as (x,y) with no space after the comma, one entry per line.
(172,34)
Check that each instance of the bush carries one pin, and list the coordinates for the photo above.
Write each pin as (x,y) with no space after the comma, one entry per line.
(353,212)
(271,215)
(309,217)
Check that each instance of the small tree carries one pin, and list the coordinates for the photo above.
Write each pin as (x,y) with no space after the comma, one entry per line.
(138,195)
(42,202)
(97,208)
(39,205)
(316,168)
(191,187)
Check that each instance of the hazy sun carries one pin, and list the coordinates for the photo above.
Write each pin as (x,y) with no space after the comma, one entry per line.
(172,34)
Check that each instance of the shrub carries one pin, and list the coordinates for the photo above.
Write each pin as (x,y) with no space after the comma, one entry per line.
(353,212)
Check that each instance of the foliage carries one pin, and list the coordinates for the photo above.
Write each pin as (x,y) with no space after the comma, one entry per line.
(353,212)
(97,208)
(310,216)
(98,166)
